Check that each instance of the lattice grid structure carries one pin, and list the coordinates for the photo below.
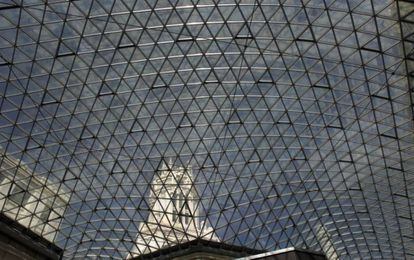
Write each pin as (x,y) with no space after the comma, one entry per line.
(295,116)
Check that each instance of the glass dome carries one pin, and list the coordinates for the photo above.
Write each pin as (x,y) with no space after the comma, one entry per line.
(277,123)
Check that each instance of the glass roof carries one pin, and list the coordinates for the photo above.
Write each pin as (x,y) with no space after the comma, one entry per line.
(291,120)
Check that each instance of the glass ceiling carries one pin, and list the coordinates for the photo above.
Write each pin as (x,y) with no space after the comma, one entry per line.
(295,118)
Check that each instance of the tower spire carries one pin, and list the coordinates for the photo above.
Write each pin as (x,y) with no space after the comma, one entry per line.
(170,163)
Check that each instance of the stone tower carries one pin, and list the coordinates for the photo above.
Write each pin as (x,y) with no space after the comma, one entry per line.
(174,212)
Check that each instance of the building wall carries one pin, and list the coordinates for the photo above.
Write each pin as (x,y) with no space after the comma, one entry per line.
(30,200)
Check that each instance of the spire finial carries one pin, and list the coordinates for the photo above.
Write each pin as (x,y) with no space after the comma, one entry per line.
(170,163)
(163,165)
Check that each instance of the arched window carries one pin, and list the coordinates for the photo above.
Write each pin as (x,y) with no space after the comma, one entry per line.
(19,195)
(186,212)
(174,201)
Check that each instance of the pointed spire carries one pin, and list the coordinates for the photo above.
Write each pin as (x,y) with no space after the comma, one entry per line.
(170,164)
(163,165)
